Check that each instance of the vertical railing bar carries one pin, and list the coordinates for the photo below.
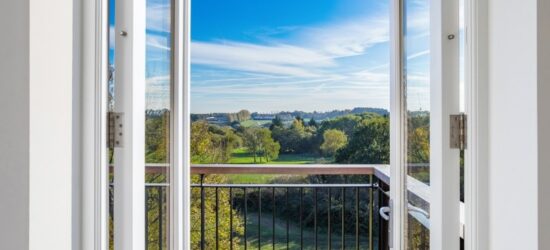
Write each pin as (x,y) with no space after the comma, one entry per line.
(273,218)
(328,217)
(202,213)
(343,217)
(147,217)
(231,218)
(287,221)
(160,216)
(382,233)
(217,219)
(371,208)
(315,217)
(301,218)
(259,217)
(357,218)
(245,215)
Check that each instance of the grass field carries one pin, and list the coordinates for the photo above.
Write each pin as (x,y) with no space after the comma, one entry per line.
(254,123)
(241,156)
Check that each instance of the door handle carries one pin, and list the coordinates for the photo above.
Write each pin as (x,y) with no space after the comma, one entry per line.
(385,213)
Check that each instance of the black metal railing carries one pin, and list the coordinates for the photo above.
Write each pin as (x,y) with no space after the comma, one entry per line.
(273,216)
(346,220)
(156,216)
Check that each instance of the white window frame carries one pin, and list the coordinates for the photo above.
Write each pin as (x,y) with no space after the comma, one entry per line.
(94,49)
(445,101)
(476,176)
(180,170)
(95,204)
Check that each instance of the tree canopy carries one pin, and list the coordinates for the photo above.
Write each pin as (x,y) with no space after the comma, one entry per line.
(333,140)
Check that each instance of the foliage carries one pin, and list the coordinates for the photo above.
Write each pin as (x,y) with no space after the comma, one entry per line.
(157,138)
(296,138)
(260,143)
(224,216)
(418,143)
(240,116)
(277,122)
(312,123)
(333,140)
(369,143)
(210,143)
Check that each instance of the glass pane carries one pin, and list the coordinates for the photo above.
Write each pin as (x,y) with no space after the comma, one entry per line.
(158,70)
(295,83)
(305,76)
(462,53)
(416,70)
(111,108)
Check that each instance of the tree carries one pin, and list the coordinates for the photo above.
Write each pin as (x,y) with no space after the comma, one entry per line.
(295,139)
(260,143)
(334,140)
(240,116)
(211,144)
(312,123)
(157,137)
(201,141)
(277,122)
(370,143)
(271,149)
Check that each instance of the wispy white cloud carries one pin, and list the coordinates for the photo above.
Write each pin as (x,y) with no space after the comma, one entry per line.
(307,54)
(158,92)
(279,59)
(158,16)
(157,41)
(350,38)
(418,54)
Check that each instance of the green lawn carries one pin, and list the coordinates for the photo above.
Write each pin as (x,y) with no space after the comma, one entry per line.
(241,156)
(255,123)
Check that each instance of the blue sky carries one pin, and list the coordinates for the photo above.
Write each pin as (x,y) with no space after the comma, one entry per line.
(280,55)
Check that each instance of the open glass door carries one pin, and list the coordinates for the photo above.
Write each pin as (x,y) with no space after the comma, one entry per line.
(140,123)
(416,108)
(425,168)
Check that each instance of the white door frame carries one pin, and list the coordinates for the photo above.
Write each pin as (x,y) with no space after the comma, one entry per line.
(94,166)
(180,162)
(397,132)
(476,107)
(129,159)
(445,101)
(94,74)
(95,203)
(444,94)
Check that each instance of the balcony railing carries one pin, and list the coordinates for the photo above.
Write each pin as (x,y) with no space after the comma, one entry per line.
(285,215)
(291,215)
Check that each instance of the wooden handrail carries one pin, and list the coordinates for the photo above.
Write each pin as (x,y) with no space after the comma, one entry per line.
(290,169)
(310,169)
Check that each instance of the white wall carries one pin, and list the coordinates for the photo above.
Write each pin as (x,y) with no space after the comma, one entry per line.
(516,158)
(544,122)
(14,124)
(36,103)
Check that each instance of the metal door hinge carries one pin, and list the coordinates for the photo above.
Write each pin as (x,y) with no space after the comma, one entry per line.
(458,131)
(115,128)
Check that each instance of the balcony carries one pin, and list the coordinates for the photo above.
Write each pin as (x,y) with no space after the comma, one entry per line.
(337,210)
(286,213)
(324,214)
